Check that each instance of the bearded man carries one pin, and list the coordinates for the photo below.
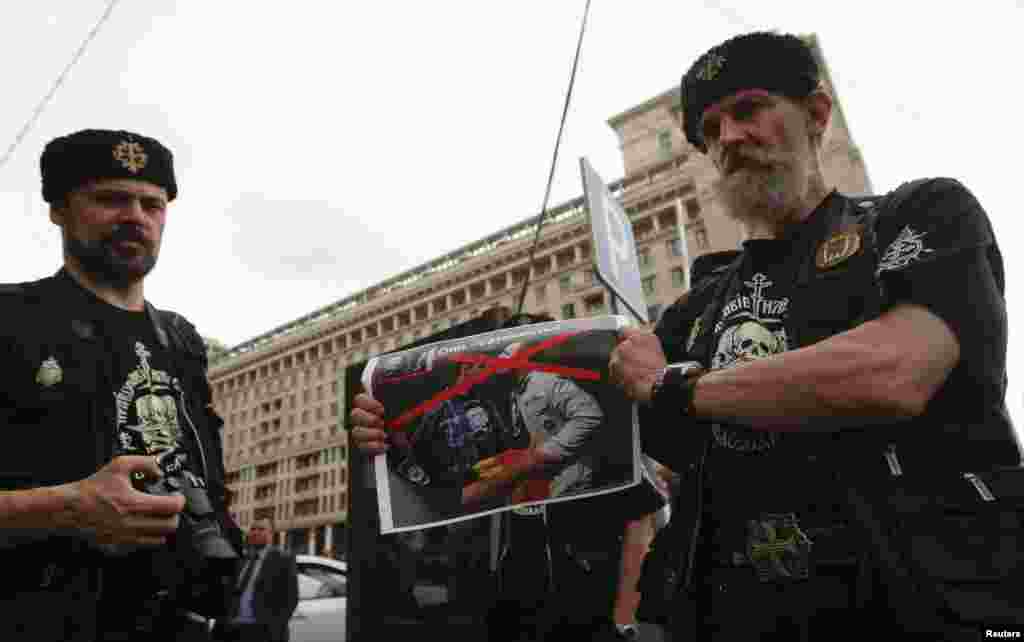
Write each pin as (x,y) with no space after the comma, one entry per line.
(101,391)
(833,393)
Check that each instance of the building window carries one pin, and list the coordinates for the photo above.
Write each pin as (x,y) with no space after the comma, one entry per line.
(701,237)
(665,144)
(569,311)
(692,209)
(648,284)
(435,327)
(565,283)
(675,246)
(595,304)
(678,277)
(643,257)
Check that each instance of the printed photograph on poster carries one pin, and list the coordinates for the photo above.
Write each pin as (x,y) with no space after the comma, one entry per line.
(518,417)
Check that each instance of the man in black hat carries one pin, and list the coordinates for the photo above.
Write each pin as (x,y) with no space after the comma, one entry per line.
(105,396)
(833,392)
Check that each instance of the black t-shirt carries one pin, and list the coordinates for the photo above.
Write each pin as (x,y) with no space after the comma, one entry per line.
(936,250)
(150,419)
(754,471)
(148,395)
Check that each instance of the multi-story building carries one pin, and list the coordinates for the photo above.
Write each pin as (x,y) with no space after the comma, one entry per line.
(281,393)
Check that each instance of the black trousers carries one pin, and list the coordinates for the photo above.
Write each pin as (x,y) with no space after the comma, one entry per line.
(577,605)
(238,632)
(172,628)
(732,604)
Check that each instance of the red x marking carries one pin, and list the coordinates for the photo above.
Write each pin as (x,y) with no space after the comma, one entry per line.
(520,362)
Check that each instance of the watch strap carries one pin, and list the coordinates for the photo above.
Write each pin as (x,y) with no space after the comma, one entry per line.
(674,387)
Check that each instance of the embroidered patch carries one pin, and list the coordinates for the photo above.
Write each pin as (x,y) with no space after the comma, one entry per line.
(712,66)
(777,548)
(131,156)
(907,248)
(49,373)
(837,249)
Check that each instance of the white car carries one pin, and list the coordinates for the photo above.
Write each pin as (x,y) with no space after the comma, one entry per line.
(323,600)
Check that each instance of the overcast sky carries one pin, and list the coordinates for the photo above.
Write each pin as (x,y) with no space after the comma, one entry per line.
(322,147)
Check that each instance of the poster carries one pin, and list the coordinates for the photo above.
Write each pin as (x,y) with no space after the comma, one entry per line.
(513,418)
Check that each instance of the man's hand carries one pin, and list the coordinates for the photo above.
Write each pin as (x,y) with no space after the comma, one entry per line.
(506,464)
(368,434)
(636,362)
(109,511)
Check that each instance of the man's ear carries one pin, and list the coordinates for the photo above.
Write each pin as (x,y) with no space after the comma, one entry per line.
(819,111)
(58,213)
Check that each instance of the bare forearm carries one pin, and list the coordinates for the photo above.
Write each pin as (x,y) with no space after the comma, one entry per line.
(32,514)
(822,387)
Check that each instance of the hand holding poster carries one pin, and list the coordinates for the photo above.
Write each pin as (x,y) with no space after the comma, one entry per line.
(517,417)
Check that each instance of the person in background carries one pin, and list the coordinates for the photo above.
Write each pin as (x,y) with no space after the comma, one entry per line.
(267,589)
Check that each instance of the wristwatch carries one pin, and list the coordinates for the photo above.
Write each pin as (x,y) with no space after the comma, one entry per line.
(628,631)
(673,388)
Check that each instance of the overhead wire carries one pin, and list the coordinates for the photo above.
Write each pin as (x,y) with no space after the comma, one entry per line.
(554,162)
(58,82)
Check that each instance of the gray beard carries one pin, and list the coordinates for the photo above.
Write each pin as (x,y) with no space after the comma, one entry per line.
(104,266)
(750,196)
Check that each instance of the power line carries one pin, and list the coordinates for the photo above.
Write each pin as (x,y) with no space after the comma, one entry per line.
(57,83)
(554,161)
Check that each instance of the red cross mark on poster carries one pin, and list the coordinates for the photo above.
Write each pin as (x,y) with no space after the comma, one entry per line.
(521,361)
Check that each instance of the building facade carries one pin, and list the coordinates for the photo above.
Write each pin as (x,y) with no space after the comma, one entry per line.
(281,393)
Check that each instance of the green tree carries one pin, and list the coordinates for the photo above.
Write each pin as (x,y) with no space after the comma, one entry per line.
(215,349)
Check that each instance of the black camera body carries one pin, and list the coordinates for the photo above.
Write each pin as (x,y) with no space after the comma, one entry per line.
(200,542)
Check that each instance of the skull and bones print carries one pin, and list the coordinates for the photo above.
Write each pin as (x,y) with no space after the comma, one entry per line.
(750,328)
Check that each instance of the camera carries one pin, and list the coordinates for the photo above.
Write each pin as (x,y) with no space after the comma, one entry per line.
(198,520)
(199,542)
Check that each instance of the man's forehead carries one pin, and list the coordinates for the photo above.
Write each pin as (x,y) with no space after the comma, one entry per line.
(132,185)
(730,100)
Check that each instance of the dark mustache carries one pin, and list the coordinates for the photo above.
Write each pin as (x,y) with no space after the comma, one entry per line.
(126,233)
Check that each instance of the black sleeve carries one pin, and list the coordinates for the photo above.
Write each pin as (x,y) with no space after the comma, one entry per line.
(939,251)
(673,329)
(211,424)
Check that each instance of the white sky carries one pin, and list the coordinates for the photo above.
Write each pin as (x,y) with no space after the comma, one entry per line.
(322,147)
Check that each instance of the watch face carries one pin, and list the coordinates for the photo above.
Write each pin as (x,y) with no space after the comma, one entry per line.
(683,368)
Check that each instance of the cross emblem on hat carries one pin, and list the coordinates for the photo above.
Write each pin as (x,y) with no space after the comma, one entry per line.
(131,156)
(712,66)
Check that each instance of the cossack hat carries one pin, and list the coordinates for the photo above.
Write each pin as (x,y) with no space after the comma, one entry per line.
(71,161)
(777,63)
